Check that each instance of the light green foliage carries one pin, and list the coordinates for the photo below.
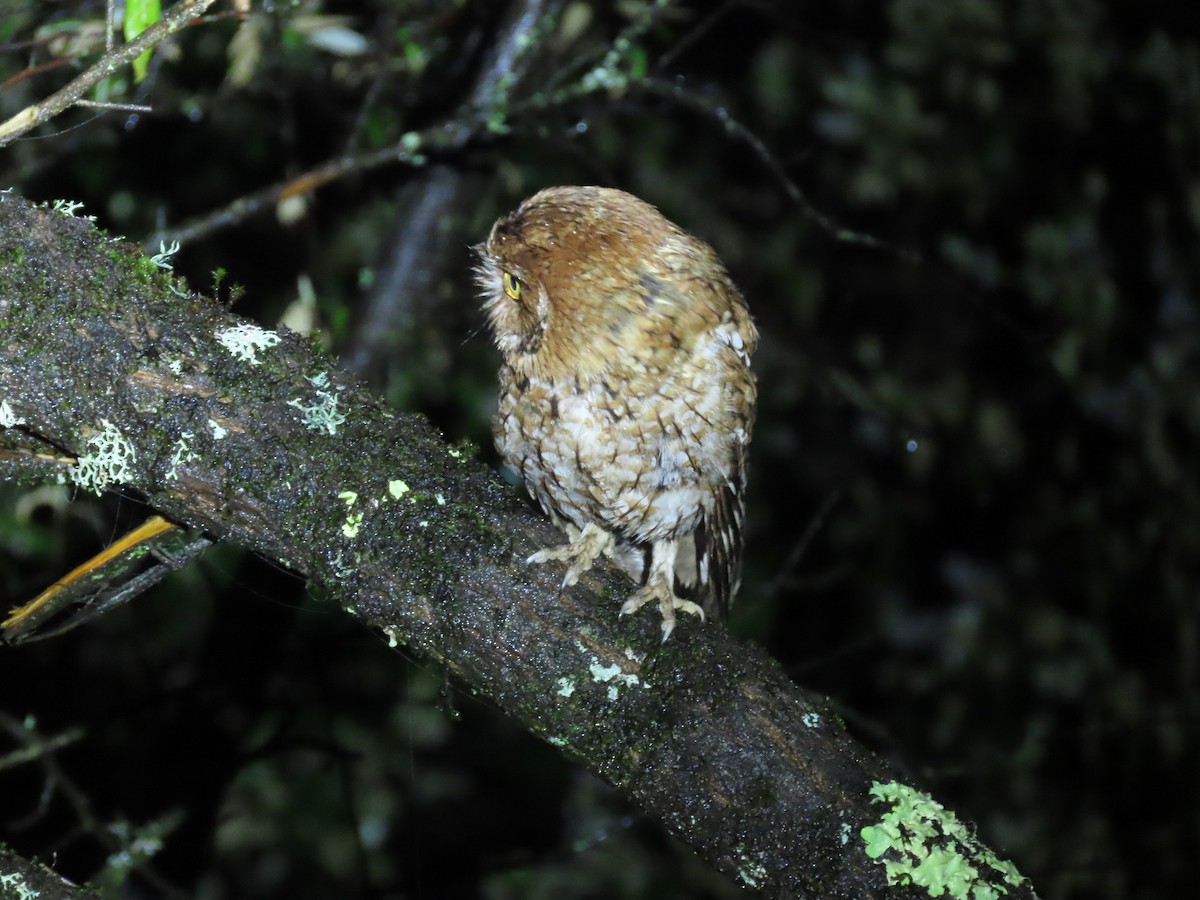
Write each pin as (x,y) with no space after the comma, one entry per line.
(139,843)
(922,843)
(140,15)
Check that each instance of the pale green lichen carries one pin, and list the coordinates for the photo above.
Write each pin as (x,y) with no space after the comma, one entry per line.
(604,673)
(566,686)
(603,78)
(13,884)
(343,569)
(557,741)
(109,463)
(8,418)
(410,142)
(410,148)
(68,208)
(244,341)
(352,524)
(751,871)
(397,488)
(323,415)
(921,842)
(218,430)
(354,520)
(183,454)
(615,675)
(162,259)
(811,719)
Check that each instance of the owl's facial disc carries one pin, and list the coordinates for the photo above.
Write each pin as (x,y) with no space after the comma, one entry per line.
(516,306)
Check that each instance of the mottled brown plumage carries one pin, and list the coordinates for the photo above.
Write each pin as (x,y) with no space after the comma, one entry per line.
(626,396)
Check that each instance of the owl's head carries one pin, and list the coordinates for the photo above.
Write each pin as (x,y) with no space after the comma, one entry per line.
(577,278)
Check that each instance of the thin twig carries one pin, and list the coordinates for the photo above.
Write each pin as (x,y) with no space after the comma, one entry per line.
(454,133)
(35,114)
(675,93)
(305,183)
(798,551)
(31,71)
(122,107)
(40,749)
(614,53)
(35,746)
(684,43)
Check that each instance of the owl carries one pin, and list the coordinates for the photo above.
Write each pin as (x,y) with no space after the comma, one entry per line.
(626,395)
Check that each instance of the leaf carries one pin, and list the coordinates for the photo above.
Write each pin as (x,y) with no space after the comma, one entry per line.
(140,15)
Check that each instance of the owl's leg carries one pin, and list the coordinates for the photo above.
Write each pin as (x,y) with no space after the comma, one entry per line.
(660,586)
(580,551)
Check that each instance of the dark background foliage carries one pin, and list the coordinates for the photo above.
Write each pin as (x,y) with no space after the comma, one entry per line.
(975,493)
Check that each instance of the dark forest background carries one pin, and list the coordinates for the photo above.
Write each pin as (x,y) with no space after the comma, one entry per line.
(968,233)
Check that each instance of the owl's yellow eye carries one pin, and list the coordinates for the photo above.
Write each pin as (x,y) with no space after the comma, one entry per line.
(512,285)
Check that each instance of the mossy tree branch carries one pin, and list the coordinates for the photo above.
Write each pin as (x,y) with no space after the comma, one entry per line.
(21,878)
(703,733)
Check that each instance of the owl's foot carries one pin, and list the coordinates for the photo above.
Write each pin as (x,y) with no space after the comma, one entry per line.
(667,604)
(660,587)
(580,551)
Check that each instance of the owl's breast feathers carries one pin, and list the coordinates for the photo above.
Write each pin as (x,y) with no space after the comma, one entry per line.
(650,454)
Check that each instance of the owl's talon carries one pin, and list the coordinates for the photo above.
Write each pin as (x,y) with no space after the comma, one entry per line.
(661,591)
(579,553)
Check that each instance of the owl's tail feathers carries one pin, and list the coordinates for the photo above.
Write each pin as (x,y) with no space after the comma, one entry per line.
(714,569)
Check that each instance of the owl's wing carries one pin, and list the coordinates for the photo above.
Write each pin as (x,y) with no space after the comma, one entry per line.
(718,539)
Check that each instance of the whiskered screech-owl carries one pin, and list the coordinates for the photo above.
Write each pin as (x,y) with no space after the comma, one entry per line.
(626,396)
